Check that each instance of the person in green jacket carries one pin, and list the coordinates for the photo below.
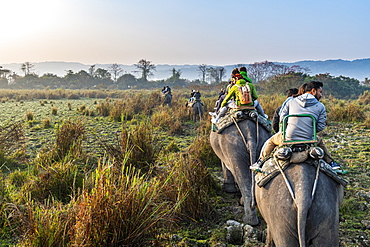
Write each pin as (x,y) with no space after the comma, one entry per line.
(257,105)
(234,93)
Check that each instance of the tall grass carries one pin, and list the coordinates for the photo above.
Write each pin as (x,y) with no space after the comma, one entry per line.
(347,112)
(58,180)
(136,145)
(192,181)
(68,143)
(123,209)
(12,146)
(44,224)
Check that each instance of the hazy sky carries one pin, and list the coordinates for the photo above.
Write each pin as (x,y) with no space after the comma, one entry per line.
(217,32)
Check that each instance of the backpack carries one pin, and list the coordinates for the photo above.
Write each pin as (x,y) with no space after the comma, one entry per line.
(245,94)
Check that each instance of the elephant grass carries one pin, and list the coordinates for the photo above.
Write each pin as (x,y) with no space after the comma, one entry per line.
(68,143)
(123,209)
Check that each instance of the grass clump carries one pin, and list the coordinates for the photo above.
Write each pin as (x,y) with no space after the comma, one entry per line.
(136,145)
(347,112)
(124,208)
(192,181)
(29,116)
(46,123)
(54,110)
(103,109)
(68,144)
(11,144)
(58,180)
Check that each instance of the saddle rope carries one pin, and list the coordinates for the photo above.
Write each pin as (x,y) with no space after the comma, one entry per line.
(290,187)
(253,203)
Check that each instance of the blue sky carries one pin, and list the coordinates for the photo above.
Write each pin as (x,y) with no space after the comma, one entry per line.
(183,31)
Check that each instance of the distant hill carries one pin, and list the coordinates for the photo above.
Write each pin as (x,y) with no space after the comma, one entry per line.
(359,68)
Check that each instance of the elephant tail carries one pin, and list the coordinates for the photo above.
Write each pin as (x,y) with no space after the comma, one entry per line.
(303,205)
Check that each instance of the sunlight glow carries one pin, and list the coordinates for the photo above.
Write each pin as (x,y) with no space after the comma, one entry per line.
(20,18)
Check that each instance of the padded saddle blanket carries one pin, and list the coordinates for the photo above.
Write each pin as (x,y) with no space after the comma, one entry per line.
(239,116)
(270,170)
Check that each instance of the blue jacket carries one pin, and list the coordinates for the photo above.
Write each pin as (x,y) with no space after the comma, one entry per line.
(300,128)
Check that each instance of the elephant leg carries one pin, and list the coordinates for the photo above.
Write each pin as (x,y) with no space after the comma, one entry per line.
(327,237)
(250,215)
(269,240)
(229,181)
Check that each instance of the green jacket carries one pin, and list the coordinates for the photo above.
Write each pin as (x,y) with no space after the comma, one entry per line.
(245,76)
(234,92)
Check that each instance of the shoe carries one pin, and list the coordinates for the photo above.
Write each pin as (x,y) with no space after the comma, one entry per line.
(256,166)
(214,120)
(213,114)
(334,165)
(266,116)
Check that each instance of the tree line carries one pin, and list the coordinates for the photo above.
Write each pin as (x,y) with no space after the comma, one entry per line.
(268,77)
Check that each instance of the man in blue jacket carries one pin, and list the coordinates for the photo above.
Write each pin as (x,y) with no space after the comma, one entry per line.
(300,128)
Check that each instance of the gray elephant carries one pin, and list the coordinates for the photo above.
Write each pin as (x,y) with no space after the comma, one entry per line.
(238,146)
(195,110)
(311,218)
(167,99)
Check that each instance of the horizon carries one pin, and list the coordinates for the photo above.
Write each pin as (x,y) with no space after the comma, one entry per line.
(304,60)
(338,67)
(183,32)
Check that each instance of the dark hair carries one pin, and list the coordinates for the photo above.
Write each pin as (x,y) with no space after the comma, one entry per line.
(313,85)
(301,90)
(291,91)
(235,71)
(243,69)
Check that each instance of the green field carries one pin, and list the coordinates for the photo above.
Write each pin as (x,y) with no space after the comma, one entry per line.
(55,192)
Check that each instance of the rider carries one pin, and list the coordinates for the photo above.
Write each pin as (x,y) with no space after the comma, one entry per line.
(195,96)
(300,128)
(166,89)
(257,105)
(276,118)
(234,92)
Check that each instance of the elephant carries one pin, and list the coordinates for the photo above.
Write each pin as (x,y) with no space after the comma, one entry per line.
(237,152)
(167,99)
(195,110)
(311,218)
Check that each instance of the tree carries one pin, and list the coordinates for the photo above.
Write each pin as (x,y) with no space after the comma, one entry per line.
(126,81)
(282,82)
(221,71)
(216,73)
(115,71)
(202,69)
(146,68)
(92,71)
(4,72)
(27,68)
(102,74)
(261,71)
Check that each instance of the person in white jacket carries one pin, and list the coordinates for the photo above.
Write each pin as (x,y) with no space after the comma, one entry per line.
(300,128)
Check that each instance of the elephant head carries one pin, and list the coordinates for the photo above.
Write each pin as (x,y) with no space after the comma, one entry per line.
(238,146)
(296,216)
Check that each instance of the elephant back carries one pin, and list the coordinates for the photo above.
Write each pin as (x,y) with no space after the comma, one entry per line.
(270,170)
(233,116)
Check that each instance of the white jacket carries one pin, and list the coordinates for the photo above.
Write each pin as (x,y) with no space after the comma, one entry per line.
(300,128)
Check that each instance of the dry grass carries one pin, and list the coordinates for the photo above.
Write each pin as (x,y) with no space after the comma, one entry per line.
(136,145)
(123,209)
(67,146)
